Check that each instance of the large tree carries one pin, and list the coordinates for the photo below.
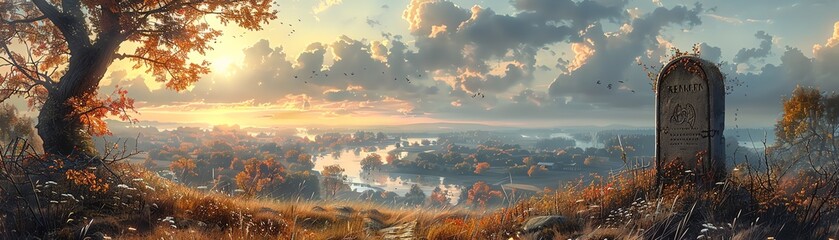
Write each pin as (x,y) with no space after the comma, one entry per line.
(55,53)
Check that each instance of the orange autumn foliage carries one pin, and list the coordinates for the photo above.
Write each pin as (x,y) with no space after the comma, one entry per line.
(57,52)
(481,167)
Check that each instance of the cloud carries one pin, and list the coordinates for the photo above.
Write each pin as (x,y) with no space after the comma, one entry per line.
(323,5)
(710,53)
(451,52)
(373,22)
(744,55)
(479,50)
(611,56)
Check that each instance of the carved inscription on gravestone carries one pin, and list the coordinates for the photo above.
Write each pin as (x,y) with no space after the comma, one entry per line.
(690,103)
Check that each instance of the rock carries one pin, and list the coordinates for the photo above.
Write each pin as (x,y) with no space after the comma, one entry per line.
(318,209)
(400,231)
(345,209)
(545,222)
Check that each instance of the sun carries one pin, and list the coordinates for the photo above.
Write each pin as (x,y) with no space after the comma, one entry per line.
(221,65)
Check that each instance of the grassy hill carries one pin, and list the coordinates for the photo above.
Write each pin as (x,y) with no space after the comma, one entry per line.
(128,202)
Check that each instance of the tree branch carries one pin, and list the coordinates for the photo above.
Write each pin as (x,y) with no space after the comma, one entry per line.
(25,71)
(26,20)
(72,28)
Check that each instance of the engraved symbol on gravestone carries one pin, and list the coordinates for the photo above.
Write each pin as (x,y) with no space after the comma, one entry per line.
(682,115)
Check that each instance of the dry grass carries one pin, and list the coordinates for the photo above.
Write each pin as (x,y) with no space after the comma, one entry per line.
(142,205)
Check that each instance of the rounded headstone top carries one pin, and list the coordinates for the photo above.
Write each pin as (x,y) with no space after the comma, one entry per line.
(694,65)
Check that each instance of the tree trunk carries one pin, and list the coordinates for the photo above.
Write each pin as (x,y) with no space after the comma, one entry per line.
(62,132)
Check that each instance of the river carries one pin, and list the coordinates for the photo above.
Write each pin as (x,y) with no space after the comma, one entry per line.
(350,161)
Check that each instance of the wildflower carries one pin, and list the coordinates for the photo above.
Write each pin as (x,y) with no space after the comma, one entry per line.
(123,186)
(132,229)
(51,183)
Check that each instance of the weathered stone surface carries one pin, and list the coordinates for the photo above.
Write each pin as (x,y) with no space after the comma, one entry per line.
(400,231)
(690,118)
(543,222)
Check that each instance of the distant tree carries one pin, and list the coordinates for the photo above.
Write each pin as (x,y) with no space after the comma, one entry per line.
(303,185)
(302,162)
(397,145)
(414,196)
(13,126)
(463,168)
(481,194)
(388,197)
(333,179)
(380,136)
(291,155)
(221,159)
(425,142)
(371,162)
(260,176)
(270,147)
(183,168)
(481,167)
(439,197)
(391,158)
(452,158)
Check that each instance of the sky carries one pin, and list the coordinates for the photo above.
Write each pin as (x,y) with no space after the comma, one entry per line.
(519,63)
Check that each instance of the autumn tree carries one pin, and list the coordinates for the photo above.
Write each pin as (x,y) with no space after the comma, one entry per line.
(481,194)
(183,168)
(414,196)
(333,179)
(481,167)
(371,162)
(439,197)
(261,177)
(806,145)
(55,53)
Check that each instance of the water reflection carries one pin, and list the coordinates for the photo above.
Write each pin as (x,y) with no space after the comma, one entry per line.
(350,160)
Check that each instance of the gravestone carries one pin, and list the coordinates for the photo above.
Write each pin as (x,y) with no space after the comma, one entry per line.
(690,119)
